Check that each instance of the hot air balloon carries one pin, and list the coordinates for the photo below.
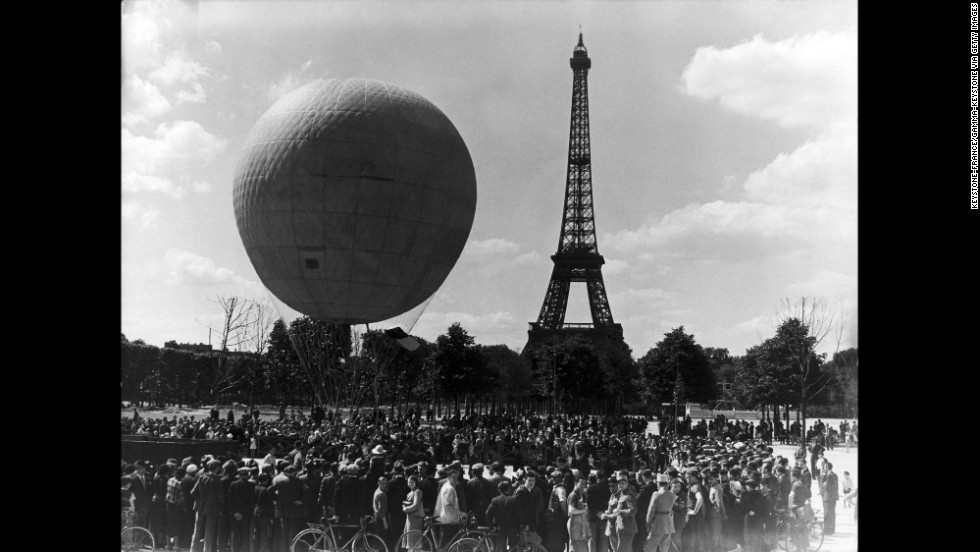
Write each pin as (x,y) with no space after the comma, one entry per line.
(353,199)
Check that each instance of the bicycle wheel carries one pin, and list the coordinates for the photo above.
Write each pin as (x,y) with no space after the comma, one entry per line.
(311,540)
(782,535)
(467,544)
(414,541)
(816,536)
(369,542)
(137,539)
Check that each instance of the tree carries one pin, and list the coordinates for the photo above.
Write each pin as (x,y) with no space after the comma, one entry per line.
(677,355)
(233,333)
(806,325)
(460,365)
(282,367)
(510,372)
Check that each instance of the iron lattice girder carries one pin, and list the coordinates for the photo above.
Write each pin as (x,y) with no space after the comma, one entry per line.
(578,258)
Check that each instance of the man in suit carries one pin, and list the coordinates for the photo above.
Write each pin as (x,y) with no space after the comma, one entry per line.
(143,492)
(208,500)
(288,494)
(597,497)
(241,504)
(348,499)
(829,489)
(643,498)
(479,492)
(505,515)
(497,474)
(397,493)
(758,511)
(658,517)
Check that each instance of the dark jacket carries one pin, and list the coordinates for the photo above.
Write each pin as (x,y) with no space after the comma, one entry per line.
(208,494)
(505,514)
(264,506)
(643,505)
(755,501)
(597,498)
(241,497)
(348,498)
(286,493)
(479,493)
(831,488)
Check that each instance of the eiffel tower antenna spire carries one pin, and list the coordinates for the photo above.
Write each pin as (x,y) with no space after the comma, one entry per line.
(577,258)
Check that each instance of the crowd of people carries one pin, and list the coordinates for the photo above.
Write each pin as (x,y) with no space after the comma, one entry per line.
(580,483)
(767,429)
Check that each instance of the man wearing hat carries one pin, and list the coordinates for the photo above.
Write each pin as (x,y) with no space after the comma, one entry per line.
(479,493)
(597,497)
(208,500)
(505,515)
(241,504)
(621,517)
(643,497)
(348,497)
(142,491)
(659,517)
(758,512)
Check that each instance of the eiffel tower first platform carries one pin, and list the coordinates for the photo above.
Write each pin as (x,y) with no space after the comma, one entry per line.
(578,258)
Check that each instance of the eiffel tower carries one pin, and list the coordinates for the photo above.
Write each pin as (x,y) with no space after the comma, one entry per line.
(578,258)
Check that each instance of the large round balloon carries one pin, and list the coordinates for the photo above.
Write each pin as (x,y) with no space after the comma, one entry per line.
(354,199)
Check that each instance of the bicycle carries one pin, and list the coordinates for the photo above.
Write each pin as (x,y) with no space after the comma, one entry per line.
(133,537)
(810,539)
(426,539)
(523,543)
(319,537)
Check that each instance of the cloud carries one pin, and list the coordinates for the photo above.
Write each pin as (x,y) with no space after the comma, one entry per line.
(187,268)
(136,183)
(288,82)
(827,284)
(148,162)
(616,266)
(142,101)
(212,47)
(433,324)
(804,199)
(154,52)
(644,297)
(134,210)
(492,246)
(803,81)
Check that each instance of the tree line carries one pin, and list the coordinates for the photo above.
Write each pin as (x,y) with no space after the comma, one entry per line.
(307,362)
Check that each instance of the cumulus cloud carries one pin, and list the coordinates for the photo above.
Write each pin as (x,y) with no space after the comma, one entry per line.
(803,81)
(148,162)
(187,268)
(160,70)
(804,198)
(142,101)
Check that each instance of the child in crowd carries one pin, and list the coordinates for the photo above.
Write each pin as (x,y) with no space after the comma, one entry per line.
(848,485)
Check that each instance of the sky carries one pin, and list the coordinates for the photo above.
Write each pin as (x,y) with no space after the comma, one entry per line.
(723,136)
